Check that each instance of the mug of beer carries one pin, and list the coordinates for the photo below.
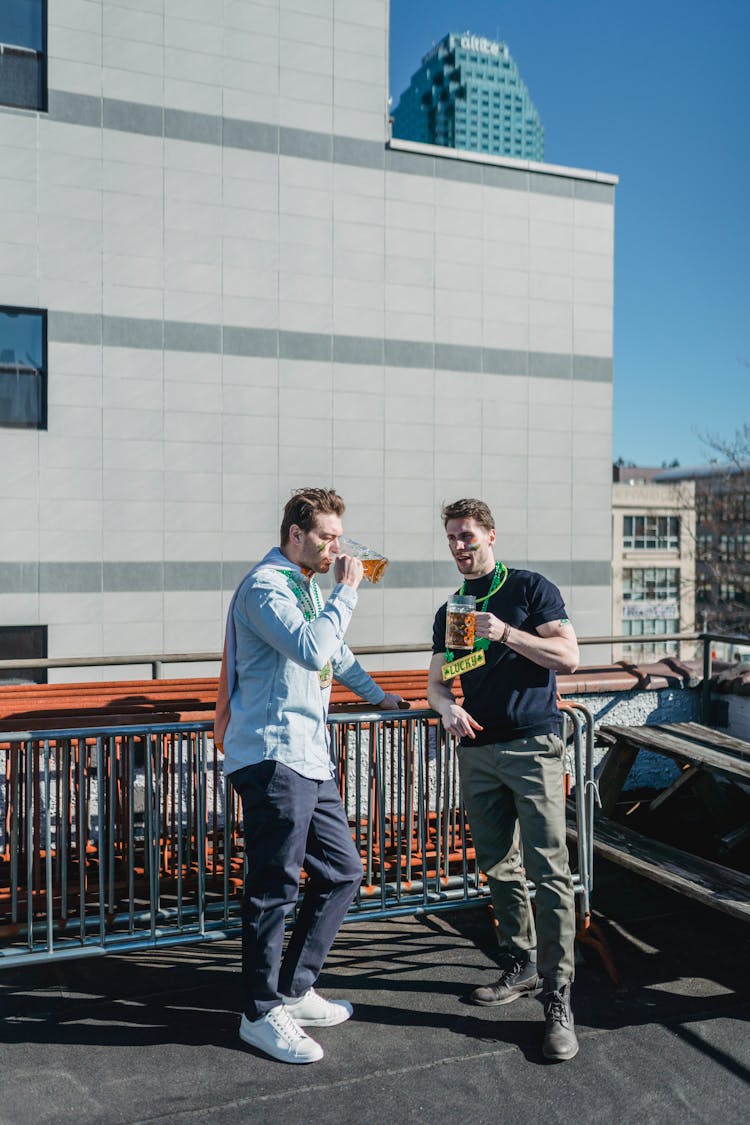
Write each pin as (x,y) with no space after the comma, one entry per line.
(374,564)
(459,621)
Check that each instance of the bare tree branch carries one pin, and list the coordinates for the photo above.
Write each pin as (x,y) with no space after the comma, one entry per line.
(735,451)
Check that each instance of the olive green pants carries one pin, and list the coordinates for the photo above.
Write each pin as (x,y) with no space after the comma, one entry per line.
(513,793)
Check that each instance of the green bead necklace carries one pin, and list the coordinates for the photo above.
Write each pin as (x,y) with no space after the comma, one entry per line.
(308,597)
(498,579)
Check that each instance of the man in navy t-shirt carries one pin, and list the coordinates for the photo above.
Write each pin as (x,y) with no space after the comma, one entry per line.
(510,757)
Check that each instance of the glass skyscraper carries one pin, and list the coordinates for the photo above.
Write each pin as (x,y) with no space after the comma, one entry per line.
(468,94)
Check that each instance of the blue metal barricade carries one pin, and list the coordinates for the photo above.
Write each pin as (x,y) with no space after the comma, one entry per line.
(129,837)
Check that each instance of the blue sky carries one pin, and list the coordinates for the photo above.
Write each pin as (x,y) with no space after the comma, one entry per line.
(657,92)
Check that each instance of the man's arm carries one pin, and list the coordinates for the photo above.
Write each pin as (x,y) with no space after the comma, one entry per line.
(349,672)
(272,611)
(440,697)
(554,646)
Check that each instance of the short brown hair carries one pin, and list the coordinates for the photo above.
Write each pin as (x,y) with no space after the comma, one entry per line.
(469,509)
(305,505)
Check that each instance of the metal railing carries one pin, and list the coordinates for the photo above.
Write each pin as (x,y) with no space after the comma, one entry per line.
(156,661)
(130,838)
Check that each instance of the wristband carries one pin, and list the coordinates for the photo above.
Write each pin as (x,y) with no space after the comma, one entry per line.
(506,634)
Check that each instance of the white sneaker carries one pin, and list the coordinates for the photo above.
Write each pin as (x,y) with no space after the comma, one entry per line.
(312,1010)
(278,1035)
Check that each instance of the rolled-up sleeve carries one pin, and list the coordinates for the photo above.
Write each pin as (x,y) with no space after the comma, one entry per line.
(272,611)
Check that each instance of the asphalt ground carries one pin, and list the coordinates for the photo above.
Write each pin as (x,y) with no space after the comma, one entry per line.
(152,1036)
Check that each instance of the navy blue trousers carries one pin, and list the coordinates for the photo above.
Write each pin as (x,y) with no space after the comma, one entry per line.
(291,822)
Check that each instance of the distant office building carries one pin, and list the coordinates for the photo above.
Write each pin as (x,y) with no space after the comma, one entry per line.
(653,565)
(722,503)
(468,94)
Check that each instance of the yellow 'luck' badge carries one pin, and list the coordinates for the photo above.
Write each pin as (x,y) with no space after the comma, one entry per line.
(463,664)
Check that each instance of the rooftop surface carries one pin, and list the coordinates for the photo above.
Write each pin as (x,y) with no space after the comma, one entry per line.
(152,1036)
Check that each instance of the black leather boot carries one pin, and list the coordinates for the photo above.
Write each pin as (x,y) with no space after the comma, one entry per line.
(560,1042)
(518,978)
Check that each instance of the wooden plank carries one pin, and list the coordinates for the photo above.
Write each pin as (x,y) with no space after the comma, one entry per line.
(700,879)
(614,772)
(687,774)
(605,736)
(663,742)
(716,738)
(736,837)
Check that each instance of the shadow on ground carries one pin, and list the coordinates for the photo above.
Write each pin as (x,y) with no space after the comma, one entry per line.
(152,1036)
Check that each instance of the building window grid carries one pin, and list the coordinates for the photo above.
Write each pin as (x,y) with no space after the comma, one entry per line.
(650,626)
(651,533)
(650,584)
(642,647)
(734,548)
(648,650)
(735,589)
(732,506)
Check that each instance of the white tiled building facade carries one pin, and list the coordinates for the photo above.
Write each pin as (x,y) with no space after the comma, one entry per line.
(248,290)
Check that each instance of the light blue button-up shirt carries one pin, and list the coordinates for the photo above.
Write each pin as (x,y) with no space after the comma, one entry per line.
(277,708)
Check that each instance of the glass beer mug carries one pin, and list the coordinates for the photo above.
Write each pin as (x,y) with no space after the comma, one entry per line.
(459,622)
(373,563)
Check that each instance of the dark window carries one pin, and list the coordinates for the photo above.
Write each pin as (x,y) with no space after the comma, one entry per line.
(704,591)
(23,53)
(23,368)
(735,588)
(734,548)
(23,642)
(705,547)
(733,506)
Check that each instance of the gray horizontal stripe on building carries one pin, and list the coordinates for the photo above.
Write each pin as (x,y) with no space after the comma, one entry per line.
(155,577)
(216,339)
(259,136)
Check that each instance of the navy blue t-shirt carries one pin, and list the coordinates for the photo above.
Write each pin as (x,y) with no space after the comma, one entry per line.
(509,695)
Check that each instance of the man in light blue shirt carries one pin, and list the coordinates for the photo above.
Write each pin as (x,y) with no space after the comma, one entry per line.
(284,646)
